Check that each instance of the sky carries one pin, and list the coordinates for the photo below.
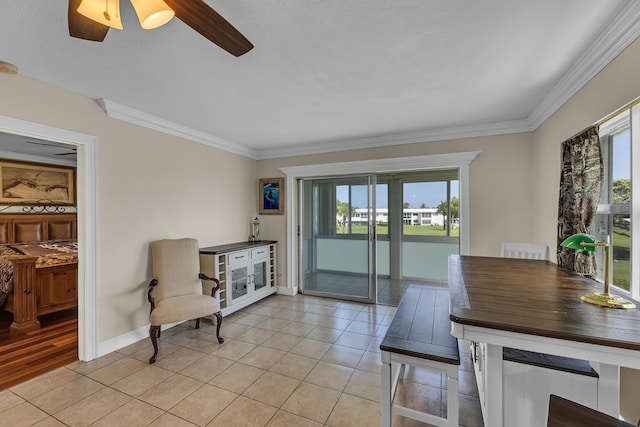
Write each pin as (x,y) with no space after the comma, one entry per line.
(414,193)
(621,156)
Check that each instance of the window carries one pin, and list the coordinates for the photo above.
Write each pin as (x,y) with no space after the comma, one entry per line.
(613,221)
(430,205)
(352,215)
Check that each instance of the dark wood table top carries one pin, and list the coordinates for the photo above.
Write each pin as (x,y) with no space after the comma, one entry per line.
(231,247)
(537,298)
(421,326)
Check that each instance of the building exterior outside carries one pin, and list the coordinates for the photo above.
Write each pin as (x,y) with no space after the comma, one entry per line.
(410,216)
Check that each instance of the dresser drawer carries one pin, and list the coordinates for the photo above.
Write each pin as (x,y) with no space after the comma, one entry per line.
(260,252)
(236,257)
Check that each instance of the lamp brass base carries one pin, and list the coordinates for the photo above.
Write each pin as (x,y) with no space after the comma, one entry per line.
(607,300)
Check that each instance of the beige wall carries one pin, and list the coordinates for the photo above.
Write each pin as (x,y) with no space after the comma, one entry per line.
(150,186)
(614,87)
(500,188)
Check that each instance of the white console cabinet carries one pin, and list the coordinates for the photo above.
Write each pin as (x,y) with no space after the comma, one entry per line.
(246,271)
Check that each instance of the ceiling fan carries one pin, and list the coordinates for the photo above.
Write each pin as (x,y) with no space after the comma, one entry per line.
(73,151)
(91,19)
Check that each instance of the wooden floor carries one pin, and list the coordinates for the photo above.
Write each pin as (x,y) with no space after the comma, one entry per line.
(26,356)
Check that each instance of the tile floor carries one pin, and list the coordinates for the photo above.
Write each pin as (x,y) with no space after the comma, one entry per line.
(390,291)
(286,361)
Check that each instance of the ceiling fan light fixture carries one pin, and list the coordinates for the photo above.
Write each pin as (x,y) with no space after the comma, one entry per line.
(152,13)
(8,68)
(106,12)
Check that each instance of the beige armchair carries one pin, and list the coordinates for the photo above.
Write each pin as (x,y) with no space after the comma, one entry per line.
(175,292)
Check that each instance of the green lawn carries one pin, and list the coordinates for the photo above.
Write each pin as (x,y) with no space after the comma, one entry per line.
(621,246)
(411,230)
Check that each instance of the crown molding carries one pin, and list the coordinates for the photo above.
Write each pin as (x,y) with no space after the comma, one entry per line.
(623,30)
(619,34)
(427,135)
(131,115)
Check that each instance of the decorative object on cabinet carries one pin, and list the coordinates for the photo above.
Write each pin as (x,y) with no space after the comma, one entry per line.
(25,182)
(255,230)
(246,271)
(175,292)
(585,242)
(271,196)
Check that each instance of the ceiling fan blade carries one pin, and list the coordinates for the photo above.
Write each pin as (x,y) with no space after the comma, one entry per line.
(210,24)
(82,27)
(50,145)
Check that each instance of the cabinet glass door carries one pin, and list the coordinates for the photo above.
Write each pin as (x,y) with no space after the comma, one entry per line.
(239,281)
(260,275)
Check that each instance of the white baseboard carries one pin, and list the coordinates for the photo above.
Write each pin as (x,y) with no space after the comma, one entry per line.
(285,290)
(131,337)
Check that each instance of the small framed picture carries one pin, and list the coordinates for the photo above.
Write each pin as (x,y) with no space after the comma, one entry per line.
(271,196)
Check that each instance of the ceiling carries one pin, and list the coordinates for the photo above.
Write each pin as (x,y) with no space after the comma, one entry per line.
(329,75)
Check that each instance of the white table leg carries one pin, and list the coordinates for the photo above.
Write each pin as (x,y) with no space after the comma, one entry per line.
(385,397)
(493,378)
(609,390)
(453,404)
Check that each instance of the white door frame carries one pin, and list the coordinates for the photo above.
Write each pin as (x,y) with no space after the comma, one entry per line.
(399,164)
(87,224)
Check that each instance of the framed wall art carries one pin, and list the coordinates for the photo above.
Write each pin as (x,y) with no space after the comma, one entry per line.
(26,183)
(271,196)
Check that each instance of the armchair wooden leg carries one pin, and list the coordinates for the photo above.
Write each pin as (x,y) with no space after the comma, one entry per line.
(198,323)
(154,333)
(218,323)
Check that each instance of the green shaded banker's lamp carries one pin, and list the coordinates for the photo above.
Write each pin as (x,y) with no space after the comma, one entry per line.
(584,242)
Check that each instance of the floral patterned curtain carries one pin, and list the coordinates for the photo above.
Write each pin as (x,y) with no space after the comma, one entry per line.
(580,183)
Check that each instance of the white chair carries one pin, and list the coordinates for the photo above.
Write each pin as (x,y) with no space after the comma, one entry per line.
(525,250)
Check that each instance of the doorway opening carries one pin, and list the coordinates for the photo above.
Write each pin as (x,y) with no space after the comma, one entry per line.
(85,146)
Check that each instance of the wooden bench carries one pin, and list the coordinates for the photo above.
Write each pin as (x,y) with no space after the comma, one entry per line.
(420,335)
(565,413)
(548,361)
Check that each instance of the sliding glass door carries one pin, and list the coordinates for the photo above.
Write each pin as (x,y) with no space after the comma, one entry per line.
(337,236)
(365,238)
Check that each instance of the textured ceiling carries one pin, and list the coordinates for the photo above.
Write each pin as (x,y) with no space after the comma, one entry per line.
(334,74)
